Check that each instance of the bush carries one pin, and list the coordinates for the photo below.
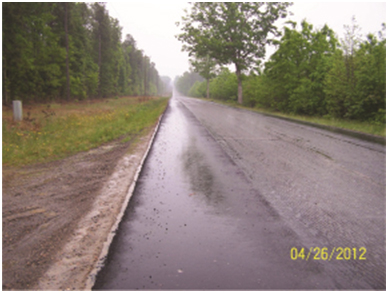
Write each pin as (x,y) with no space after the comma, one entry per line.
(224,86)
(198,90)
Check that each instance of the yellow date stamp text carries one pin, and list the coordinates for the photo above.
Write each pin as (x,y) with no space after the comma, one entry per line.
(324,253)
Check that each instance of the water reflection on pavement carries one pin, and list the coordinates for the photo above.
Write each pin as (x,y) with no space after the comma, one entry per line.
(196,222)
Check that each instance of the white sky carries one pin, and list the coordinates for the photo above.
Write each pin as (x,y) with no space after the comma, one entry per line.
(152,24)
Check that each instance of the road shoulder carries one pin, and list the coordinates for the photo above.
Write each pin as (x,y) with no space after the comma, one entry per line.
(348,132)
(59,218)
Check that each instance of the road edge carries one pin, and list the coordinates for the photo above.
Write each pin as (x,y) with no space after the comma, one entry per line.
(352,133)
(105,250)
(79,261)
(348,132)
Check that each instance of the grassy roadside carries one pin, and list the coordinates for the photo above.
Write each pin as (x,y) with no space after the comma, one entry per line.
(51,132)
(363,127)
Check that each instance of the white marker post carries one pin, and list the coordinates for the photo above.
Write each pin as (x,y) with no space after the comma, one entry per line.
(17,110)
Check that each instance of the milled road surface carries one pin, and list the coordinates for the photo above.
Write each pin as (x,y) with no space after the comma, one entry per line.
(225,194)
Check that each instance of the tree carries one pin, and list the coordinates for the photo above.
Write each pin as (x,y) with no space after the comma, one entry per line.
(70,50)
(370,100)
(224,86)
(186,81)
(350,45)
(146,64)
(336,86)
(231,33)
(31,51)
(67,51)
(198,90)
(298,68)
(355,85)
(105,40)
(83,68)
(206,67)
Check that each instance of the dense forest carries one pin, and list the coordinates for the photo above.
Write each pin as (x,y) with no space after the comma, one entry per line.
(312,72)
(71,51)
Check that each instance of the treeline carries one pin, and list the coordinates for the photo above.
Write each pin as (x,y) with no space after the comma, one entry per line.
(311,73)
(185,82)
(70,51)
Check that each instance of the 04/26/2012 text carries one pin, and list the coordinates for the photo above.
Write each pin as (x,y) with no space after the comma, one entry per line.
(324,253)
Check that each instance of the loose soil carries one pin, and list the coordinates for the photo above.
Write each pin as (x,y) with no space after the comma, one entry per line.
(58,216)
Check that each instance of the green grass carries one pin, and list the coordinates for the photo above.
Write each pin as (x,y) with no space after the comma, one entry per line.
(75,127)
(364,127)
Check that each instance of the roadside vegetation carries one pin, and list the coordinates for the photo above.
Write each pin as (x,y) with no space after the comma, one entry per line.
(54,131)
(312,75)
(378,129)
(72,51)
(68,65)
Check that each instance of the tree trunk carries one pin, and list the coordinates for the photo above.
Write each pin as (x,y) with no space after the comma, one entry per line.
(5,96)
(67,56)
(145,78)
(99,63)
(207,88)
(239,89)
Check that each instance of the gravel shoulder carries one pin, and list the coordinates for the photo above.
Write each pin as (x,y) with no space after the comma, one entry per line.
(58,217)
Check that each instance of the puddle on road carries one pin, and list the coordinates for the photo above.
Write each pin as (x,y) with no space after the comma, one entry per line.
(172,227)
(200,174)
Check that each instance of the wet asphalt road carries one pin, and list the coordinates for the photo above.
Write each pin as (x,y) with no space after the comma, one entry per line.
(225,195)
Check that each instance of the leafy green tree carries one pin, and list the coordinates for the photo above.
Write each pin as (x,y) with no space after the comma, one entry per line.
(143,78)
(126,69)
(66,20)
(83,70)
(199,90)
(153,79)
(70,50)
(350,45)
(355,85)
(336,86)
(297,70)
(231,32)
(146,65)
(17,49)
(224,86)
(107,36)
(370,101)
(257,91)
(32,54)
(134,57)
(206,67)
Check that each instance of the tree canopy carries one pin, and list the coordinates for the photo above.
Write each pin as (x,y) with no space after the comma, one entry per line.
(231,32)
(70,51)
(313,73)
(206,67)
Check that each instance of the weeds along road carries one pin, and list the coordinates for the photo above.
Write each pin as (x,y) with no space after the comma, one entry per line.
(226,195)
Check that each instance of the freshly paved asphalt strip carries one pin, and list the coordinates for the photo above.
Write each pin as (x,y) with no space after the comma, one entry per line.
(225,196)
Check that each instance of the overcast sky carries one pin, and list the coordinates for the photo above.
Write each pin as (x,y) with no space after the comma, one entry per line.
(152,24)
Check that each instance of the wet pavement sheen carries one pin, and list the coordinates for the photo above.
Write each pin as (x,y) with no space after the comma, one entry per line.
(197,222)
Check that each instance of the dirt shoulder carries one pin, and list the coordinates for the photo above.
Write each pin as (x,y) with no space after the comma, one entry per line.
(58,217)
